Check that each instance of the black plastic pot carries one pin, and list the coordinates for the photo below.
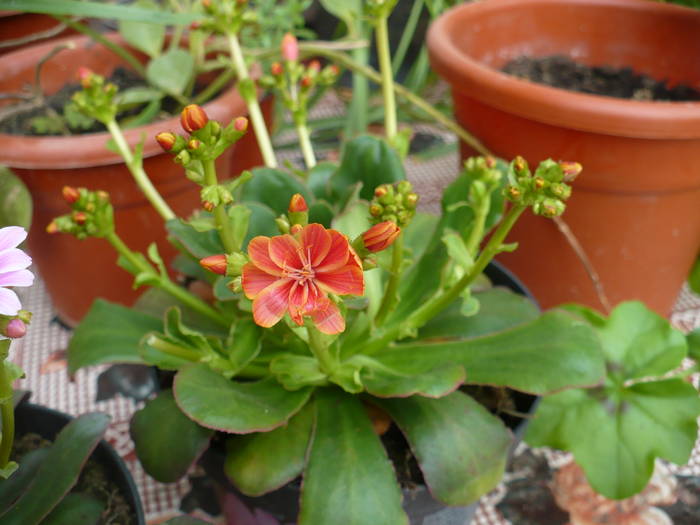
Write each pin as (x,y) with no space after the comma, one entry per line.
(48,423)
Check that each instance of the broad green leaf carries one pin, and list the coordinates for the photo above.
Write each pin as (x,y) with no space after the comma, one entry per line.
(264,461)
(98,10)
(368,161)
(144,36)
(321,213)
(15,201)
(198,244)
(319,177)
(615,436)
(171,71)
(641,342)
(545,355)
(436,382)
(262,222)
(230,406)
(500,309)
(359,483)
(155,302)
(137,95)
(12,487)
(109,333)
(460,446)
(693,340)
(273,188)
(76,508)
(245,341)
(420,228)
(60,470)
(167,442)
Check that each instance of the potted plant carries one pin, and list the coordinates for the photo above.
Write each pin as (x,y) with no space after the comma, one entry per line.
(42,452)
(635,212)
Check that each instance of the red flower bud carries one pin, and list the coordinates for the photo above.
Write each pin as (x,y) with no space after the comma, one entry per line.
(102,195)
(306,81)
(276,69)
(52,228)
(333,70)
(380,236)
(240,124)
(16,329)
(314,66)
(79,217)
(166,140)
(85,76)
(297,204)
(193,117)
(207,205)
(290,48)
(215,263)
(571,170)
(70,194)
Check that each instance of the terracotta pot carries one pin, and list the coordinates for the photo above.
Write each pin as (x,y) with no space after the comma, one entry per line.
(77,272)
(16,26)
(635,208)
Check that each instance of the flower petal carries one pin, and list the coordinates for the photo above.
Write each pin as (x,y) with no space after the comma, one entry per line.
(11,237)
(9,302)
(270,305)
(337,255)
(254,280)
(327,318)
(14,259)
(284,251)
(259,253)
(315,240)
(347,280)
(17,278)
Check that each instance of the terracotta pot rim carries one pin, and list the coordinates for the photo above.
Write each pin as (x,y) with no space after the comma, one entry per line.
(549,105)
(81,151)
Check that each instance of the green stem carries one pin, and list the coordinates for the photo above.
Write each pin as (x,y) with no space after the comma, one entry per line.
(389,299)
(136,168)
(357,112)
(305,144)
(475,236)
(223,222)
(319,348)
(7,414)
(123,250)
(407,35)
(215,86)
(412,98)
(381,33)
(254,110)
(172,349)
(98,37)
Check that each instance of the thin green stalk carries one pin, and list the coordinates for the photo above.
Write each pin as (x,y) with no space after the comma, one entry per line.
(251,100)
(98,37)
(214,86)
(407,35)
(389,299)
(357,111)
(7,413)
(172,349)
(223,222)
(345,61)
(307,148)
(123,250)
(478,224)
(136,168)
(320,350)
(381,33)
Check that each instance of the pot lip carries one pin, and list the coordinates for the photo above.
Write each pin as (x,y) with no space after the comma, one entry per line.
(89,150)
(554,106)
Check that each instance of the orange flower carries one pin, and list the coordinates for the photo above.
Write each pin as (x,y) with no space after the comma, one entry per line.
(295,274)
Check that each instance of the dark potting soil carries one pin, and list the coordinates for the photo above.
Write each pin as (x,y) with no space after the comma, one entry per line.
(94,481)
(620,82)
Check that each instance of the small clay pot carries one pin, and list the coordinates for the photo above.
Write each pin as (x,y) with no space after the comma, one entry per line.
(76,272)
(635,208)
(21,28)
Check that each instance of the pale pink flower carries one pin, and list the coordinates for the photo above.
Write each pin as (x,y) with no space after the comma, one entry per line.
(13,268)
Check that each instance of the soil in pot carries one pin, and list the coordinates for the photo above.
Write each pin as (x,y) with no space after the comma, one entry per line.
(562,72)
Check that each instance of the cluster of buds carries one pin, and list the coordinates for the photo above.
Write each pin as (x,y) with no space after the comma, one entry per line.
(546,190)
(484,175)
(92,215)
(394,203)
(225,16)
(15,327)
(297,215)
(97,98)
(296,81)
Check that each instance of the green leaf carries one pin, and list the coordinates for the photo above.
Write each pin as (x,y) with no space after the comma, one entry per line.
(171,71)
(186,520)
(349,11)
(499,309)
(198,244)
(319,177)
(156,302)
(264,461)
(76,508)
(167,442)
(641,342)
(60,470)
(240,408)
(262,222)
(382,381)
(359,483)
(321,213)
(12,487)
(616,436)
(693,340)
(109,333)
(545,355)
(15,201)
(239,215)
(135,96)
(244,344)
(98,10)
(273,188)
(461,447)
(368,161)
(144,36)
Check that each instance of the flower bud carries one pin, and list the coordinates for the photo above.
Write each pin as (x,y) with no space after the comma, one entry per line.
(539,183)
(513,193)
(85,76)
(192,118)
(208,205)
(183,158)
(282,224)
(549,208)
(380,236)
(375,210)
(380,191)
(560,190)
(314,66)
(15,329)
(79,217)
(276,69)
(102,195)
(570,169)
(490,162)
(193,144)
(333,70)
(306,81)
(70,194)
(52,228)
(166,140)
(520,166)
(290,48)
(297,203)
(411,200)
(214,263)
(404,187)
(240,124)
(235,285)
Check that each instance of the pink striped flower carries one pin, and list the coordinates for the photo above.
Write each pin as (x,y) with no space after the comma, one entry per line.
(295,273)
(13,268)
